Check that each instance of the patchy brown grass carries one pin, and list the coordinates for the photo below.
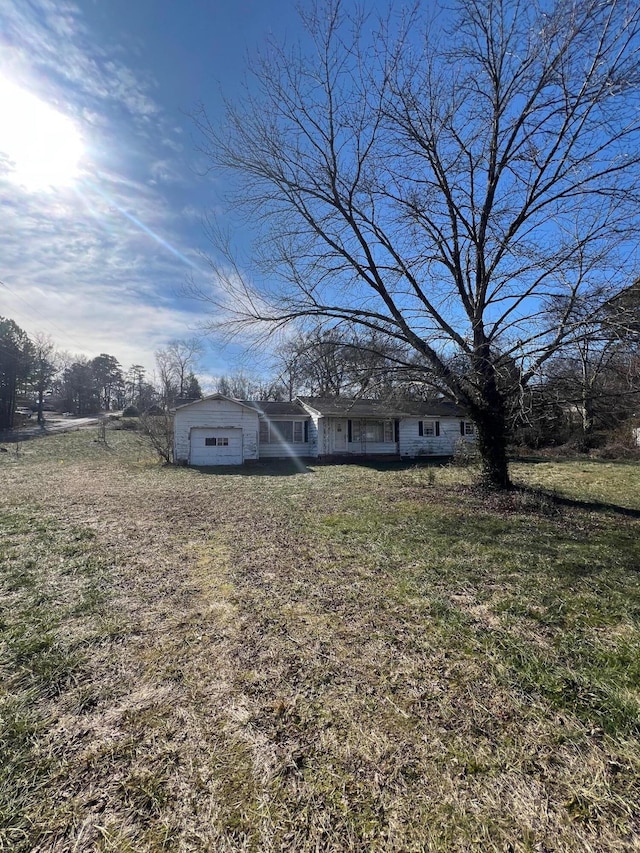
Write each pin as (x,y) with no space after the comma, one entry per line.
(345,659)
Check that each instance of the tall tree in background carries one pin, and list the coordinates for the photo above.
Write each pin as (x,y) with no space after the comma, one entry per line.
(16,363)
(176,365)
(192,389)
(240,385)
(185,355)
(81,392)
(352,362)
(443,183)
(139,392)
(44,369)
(109,378)
(166,374)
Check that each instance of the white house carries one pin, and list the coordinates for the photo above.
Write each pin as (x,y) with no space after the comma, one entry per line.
(218,430)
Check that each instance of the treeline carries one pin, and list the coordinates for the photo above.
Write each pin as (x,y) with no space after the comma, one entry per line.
(34,375)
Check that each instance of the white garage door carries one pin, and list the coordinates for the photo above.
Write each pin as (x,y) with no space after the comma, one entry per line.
(216,446)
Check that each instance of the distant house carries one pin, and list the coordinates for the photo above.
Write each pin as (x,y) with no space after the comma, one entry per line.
(218,430)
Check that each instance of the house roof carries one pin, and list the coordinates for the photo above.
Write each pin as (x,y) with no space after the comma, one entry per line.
(272,409)
(358,408)
(345,407)
(212,397)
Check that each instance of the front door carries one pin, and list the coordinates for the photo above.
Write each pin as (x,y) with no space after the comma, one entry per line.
(340,436)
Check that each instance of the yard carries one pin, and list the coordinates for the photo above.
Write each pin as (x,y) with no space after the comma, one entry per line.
(333,659)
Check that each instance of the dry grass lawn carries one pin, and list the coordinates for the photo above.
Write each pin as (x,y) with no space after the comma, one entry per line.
(338,659)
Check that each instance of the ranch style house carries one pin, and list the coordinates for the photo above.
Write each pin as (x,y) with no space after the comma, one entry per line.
(218,430)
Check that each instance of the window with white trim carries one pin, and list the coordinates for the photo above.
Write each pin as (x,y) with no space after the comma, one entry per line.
(469,428)
(431,429)
(216,441)
(276,432)
(374,432)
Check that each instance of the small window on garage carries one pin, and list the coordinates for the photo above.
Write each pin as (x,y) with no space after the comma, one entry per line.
(216,441)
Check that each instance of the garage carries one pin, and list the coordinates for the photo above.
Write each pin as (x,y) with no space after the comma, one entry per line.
(211,446)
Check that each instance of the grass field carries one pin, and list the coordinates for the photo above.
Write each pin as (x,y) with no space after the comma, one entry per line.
(339,659)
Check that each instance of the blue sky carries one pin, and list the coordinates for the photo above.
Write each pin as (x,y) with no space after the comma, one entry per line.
(101,183)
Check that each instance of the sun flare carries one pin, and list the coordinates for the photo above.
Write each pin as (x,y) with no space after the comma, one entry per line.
(40,148)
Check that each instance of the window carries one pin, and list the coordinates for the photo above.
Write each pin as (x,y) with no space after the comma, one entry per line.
(429,428)
(273,432)
(375,432)
(469,428)
(216,441)
(282,430)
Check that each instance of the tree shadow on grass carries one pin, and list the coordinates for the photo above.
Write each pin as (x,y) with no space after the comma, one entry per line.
(594,506)
(270,468)
(302,465)
(539,501)
(386,463)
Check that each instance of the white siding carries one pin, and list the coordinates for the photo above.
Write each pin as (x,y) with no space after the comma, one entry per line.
(317,435)
(413,444)
(314,438)
(215,413)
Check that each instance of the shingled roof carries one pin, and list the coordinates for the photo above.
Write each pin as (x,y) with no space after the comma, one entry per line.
(346,407)
(272,409)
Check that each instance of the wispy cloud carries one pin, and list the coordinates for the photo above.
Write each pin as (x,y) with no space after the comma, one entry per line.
(47,43)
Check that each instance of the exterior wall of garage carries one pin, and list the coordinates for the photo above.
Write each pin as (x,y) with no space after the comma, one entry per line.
(210,414)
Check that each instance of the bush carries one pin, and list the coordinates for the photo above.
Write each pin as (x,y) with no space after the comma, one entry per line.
(465,453)
(159,432)
(131,412)
(619,443)
(125,423)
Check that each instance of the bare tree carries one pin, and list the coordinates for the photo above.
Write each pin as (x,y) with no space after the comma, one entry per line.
(167,377)
(44,368)
(440,182)
(158,431)
(184,355)
(247,386)
(347,362)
